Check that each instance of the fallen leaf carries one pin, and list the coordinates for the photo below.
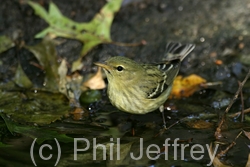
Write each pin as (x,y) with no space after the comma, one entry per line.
(247,134)
(248,161)
(73,86)
(120,152)
(45,52)
(62,72)
(5,43)
(21,78)
(185,87)
(79,113)
(91,34)
(36,107)
(218,62)
(70,85)
(96,82)
(41,134)
(216,161)
(200,124)
(4,145)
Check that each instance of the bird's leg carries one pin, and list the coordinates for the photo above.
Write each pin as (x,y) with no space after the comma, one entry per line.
(161,108)
(133,124)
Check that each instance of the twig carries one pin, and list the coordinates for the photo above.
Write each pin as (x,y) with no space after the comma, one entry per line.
(223,152)
(239,113)
(37,65)
(210,84)
(237,93)
(242,105)
(164,129)
(217,133)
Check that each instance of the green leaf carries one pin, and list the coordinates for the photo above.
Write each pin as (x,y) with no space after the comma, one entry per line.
(102,21)
(41,134)
(39,10)
(60,26)
(95,32)
(5,43)
(54,11)
(34,107)
(43,33)
(46,54)
(88,46)
(77,64)
(4,145)
(21,78)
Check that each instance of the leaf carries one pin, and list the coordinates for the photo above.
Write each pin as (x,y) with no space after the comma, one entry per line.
(4,145)
(62,72)
(248,161)
(216,161)
(123,152)
(21,78)
(79,113)
(41,134)
(39,10)
(34,107)
(46,54)
(185,87)
(5,43)
(245,59)
(69,84)
(74,82)
(200,124)
(77,65)
(114,132)
(247,134)
(95,32)
(96,82)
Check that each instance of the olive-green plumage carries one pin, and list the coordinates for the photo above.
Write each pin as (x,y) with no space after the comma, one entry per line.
(141,88)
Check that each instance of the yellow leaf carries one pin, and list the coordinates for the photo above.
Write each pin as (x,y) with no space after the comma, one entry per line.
(200,124)
(247,134)
(216,160)
(185,87)
(62,72)
(248,162)
(79,113)
(96,82)
(21,79)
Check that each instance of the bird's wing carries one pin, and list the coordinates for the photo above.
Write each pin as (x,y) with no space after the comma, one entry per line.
(167,71)
(165,77)
(177,51)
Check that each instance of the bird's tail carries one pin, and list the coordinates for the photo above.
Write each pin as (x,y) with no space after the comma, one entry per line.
(177,50)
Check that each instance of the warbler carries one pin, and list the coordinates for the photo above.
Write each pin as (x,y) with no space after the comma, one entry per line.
(139,88)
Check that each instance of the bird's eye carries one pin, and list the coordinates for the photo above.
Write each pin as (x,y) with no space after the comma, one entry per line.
(119,68)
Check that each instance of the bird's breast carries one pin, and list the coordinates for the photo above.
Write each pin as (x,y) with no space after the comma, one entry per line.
(131,100)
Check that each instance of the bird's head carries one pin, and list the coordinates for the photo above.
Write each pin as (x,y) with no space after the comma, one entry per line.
(120,68)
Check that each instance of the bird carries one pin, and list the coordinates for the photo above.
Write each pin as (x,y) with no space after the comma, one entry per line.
(140,88)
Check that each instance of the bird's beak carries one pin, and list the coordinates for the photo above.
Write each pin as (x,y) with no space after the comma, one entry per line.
(104,66)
